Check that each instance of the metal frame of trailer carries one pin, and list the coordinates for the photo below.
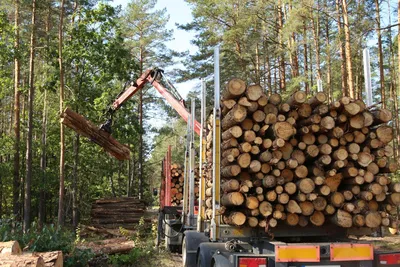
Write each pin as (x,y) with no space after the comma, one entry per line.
(217,244)
(172,220)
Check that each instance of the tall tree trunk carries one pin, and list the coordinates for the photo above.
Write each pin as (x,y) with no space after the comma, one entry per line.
(380,54)
(140,165)
(341,51)
(128,184)
(316,30)
(282,72)
(328,61)
(28,179)
(349,68)
(42,198)
(61,194)
(305,45)
(75,212)
(17,135)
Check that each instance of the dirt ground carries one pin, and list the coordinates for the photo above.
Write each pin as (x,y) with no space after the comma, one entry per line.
(387,243)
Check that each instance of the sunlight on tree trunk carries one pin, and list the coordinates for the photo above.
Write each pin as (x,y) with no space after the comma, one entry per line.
(28,178)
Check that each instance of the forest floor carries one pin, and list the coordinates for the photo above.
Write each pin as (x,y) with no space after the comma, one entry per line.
(140,244)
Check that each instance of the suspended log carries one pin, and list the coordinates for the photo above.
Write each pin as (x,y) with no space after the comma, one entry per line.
(87,129)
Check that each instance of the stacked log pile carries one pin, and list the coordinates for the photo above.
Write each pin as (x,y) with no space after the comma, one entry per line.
(302,161)
(116,212)
(178,182)
(11,255)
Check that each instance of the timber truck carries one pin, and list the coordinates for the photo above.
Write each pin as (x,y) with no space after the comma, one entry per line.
(215,243)
(211,242)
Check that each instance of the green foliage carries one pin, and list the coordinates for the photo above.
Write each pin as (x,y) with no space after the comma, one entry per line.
(135,255)
(143,237)
(48,238)
(79,258)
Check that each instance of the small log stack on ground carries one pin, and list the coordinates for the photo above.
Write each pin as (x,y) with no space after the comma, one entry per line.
(116,212)
(302,161)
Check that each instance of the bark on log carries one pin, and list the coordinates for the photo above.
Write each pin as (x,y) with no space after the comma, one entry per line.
(235,116)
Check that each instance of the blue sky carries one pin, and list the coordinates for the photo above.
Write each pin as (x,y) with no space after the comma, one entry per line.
(180,13)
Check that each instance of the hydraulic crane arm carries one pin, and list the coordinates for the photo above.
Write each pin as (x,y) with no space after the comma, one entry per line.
(151,76)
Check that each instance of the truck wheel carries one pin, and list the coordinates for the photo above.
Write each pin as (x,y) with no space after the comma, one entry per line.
(187,259)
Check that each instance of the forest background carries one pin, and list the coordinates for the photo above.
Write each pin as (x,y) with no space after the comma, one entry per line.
(81,53)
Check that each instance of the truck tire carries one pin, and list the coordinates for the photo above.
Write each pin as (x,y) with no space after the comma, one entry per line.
(188,259)
(206,255)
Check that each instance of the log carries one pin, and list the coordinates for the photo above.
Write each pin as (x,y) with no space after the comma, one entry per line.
(230,171)
(271,196)
(364,159)
(327,123)
(252,221)
(319,203)
(358,220)
(329,209)
(232,199)
(258,116)
(87,129)
(265,208)
(301,171)
(275,99)
(343,219)
(290,188)
(21,261)
(334,181)
(292,219)
(244,160)
(235,218)
(233,132)
(317,99)
(373,219)
(283,198)
(283,130)
(235,116)
(230,186)
(318,218)
(337,199)
(10,247)
(234,89)
(269,181)
(254,92)
(293,207)
(251,202)
(51,259)
(381,116)
(307,208)
(384,133)
(297,98)
(306,185)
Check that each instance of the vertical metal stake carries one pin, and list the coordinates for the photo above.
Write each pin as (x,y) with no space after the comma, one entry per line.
(191,165)
(216,147)
(200,216)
